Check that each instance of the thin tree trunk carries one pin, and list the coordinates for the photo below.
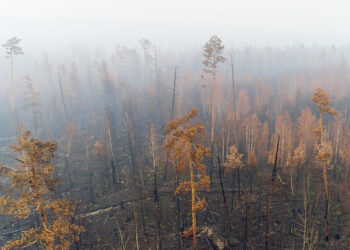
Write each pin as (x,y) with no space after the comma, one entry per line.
(178,206)
(135,172)
(61,92)
(171,118)
(336,153)
(222,187)
(234,104)
(212,129)
(136,230)
(291,180)
(247,140)
(306,141)
(193,204)
(174,95)
(223,142)
(269,201)
(35,122)
(246,227)
(325,182)
(91,189)
(282,149)
(13,105)
(155,186)
(239,181)
(41,205)
(111,149)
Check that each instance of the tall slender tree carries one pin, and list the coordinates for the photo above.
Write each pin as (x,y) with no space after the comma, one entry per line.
(234,102)
(13,49)
(181,141)
(324,155)
(213,54)
(154,158)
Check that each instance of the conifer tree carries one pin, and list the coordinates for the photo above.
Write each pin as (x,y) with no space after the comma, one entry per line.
(181,141)
(32,185)
(324,155)
(13,49)
(213,54)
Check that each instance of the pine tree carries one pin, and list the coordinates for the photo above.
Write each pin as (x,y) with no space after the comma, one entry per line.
(213,54)
(32,185)
(13,49)
(181,141)
(324,155)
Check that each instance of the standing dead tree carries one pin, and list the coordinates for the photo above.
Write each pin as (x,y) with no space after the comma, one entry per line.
(234,102)
(136,173)
(61,92)
(89,170)
(172,116)
(269,201)
(154,158)
(109,117)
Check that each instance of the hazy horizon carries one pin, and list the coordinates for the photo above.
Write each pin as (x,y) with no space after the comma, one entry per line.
(50,25)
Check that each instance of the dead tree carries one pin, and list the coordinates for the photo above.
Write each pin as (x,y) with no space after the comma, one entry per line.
(270,196)
(152,147)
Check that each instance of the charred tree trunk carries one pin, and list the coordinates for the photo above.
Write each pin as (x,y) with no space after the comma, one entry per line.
(222,184)
(61,92)
(68,172)
(234,104)
(171,118)
(135,173)
(212,128)
(91,189)
(155,185)
(270,196)
(111,146)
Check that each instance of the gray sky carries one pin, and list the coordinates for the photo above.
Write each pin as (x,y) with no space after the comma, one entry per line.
(50,24)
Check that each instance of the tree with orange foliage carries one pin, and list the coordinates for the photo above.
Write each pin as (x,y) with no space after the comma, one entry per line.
(297,160)
(321,98)
(324,155)
(307,122)
(33,182)
(187,154)
(234,162)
